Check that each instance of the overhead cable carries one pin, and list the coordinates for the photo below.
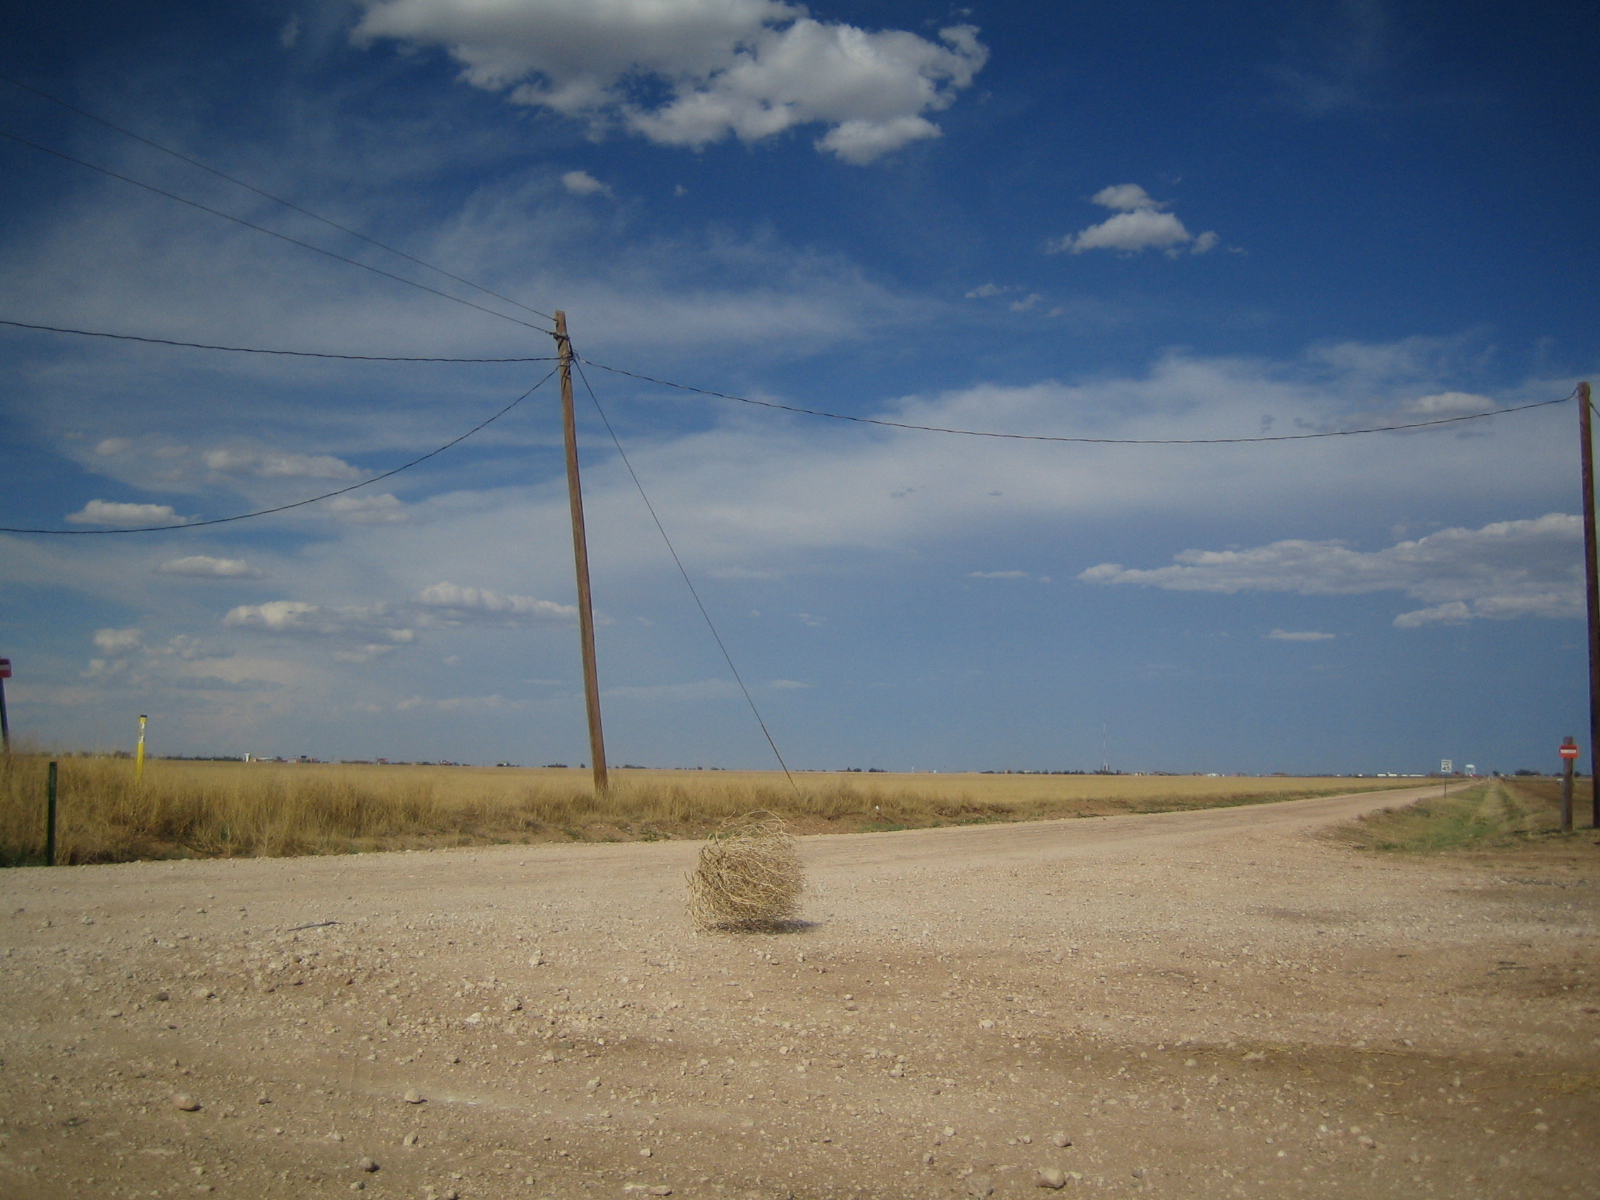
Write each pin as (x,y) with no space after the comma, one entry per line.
(217,212)
(689,583)
(187,525)
(268,195)
(1041,437)
(132,337)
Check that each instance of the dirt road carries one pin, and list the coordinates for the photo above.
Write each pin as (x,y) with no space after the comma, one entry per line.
(1207,1004)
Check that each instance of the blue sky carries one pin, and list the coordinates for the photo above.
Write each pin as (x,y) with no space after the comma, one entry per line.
(1134,221)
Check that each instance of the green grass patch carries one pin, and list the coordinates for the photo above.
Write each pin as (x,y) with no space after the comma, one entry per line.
(1477,816)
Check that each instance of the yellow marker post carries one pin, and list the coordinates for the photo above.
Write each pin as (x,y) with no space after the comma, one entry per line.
(138,757)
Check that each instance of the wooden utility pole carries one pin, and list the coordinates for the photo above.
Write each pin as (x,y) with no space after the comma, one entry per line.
(1592,576)
(580,553)
(1567,763)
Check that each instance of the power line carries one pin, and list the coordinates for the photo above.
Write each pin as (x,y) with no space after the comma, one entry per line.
(268,195)
(130,337)
(1040,437)
(298,503)
(216,212)
(661,529)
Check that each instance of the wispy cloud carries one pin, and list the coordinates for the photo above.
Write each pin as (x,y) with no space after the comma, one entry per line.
(1340,59)
(203,566)
(268,465)
(1504,570)
(1300,635)
(581,183)
(457,603)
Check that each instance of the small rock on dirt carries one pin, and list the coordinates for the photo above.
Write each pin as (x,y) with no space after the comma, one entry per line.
(184,1102)
(414,1097)
(366,1164)
(980,1185)
(1060,1138)
(1049,1177)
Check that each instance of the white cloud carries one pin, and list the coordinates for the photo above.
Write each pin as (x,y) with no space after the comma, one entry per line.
(108,512)
(998,575)
(787,685)
(581,183)
(1449,404)
(1299,635)
(1454,613)
(298,618)
(1125,197)
(1140,224)
(203,566)
(464,603)
(275,616)
(279,466)
(478,704)
(366,510)
(113,446)
(1504,570)
(118,641)
(707,689)
(746,68)
(860,142)
(985,290)
(362,654)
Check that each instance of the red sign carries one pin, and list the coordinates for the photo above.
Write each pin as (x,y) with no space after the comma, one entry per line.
(1569,752)
(5,668)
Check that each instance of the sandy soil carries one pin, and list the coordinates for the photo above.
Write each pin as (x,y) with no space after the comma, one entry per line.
(1211,1004)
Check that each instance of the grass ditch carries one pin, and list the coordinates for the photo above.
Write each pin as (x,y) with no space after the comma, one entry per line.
(1493,815)
(221,810)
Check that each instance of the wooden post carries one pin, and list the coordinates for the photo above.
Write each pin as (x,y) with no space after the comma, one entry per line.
(138,754)
(50,817)
(580,554)
(1567,762)
(1592,590)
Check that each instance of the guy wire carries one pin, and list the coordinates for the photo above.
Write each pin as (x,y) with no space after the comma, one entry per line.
(728,658)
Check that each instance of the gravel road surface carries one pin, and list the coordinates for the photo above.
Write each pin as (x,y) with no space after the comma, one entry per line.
(1221,1003)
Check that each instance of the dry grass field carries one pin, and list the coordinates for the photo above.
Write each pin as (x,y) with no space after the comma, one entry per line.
(203,809)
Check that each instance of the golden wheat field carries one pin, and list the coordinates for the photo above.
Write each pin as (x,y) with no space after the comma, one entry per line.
(189,809)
